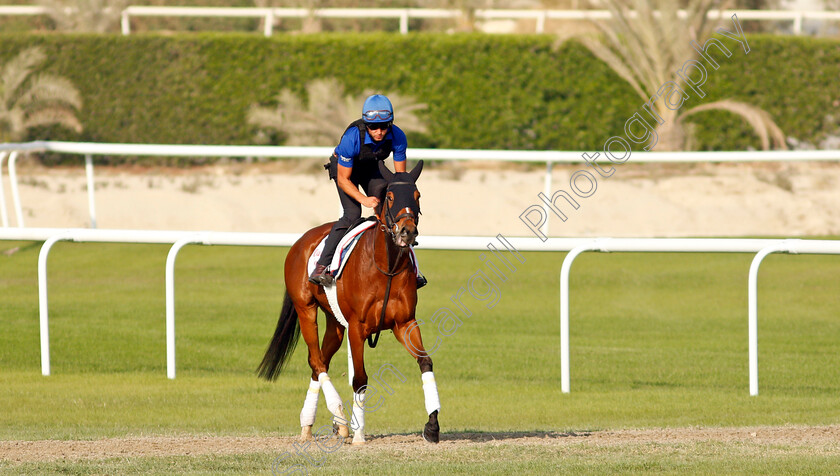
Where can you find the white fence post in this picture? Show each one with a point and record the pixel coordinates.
(268, 28)
(14, 186)
(404, 22)
(4, 218)
(547, 192)
(752, 307)
(43, 301)
(90, 185)
(125, 25)
(565, 380)
(170, 301)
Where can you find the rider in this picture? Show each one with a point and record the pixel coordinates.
(354, 163)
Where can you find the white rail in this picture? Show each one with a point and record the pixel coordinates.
(574, 247)
(762, 247)
(22, 10)
(549, 157)
(178, 239)
(406, 14)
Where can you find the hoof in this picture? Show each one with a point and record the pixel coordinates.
(341, 430)
(305, 433)
(431, 432)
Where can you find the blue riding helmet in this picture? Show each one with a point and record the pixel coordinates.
(377, 109)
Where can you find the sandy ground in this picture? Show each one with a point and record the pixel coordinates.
(821, 440)
(639, 200)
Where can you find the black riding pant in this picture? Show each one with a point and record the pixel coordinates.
(365, 174)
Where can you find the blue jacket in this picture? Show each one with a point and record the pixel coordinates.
(349, 146)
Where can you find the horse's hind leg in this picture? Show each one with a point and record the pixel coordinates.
(332, 342)
(408, 334)
(308, 317)
(310, 407)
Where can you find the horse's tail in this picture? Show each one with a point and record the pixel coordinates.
(283, 343)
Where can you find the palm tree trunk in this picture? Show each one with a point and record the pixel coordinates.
(671, 132)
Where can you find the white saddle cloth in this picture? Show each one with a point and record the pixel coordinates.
(342, 253)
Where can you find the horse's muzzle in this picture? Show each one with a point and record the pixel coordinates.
(406, 235)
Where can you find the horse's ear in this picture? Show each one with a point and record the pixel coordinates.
(415, 172)
(386, 173)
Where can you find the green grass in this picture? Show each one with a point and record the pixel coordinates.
(657, 340)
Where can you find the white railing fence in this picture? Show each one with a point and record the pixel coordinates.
(762, 248)
(404, 15)
(573, 246)
(548, 157)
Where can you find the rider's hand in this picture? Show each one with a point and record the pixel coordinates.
(370, 202)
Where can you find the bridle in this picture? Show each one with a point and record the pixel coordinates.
(391, 221)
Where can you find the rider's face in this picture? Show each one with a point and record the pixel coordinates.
(377, 134)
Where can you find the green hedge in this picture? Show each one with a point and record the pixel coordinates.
(483, 91)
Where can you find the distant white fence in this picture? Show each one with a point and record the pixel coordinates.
(549, 157)
(403, 15)
(406, 14)
(574, 247)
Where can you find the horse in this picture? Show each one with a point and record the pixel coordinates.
(376, 291)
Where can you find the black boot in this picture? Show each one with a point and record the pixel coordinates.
(321, 276)
(421, 281)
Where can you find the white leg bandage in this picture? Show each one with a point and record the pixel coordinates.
(430, 392)
(358, 422)
(310, 405)
(331, 395)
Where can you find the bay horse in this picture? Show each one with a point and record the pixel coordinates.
(377, 291)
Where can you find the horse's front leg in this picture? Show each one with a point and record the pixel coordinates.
(408, 334)
(360, 380)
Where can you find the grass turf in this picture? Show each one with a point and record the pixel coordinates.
(657, 340)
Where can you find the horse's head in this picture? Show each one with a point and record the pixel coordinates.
(400, 212)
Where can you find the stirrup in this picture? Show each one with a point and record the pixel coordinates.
(421, 281)
(320, 275)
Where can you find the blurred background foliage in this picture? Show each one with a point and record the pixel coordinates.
(168, 84)
(481, 91)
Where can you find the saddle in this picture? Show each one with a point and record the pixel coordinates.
(345, 247)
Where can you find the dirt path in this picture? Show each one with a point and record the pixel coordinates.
(816, 440)
(638, 200)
